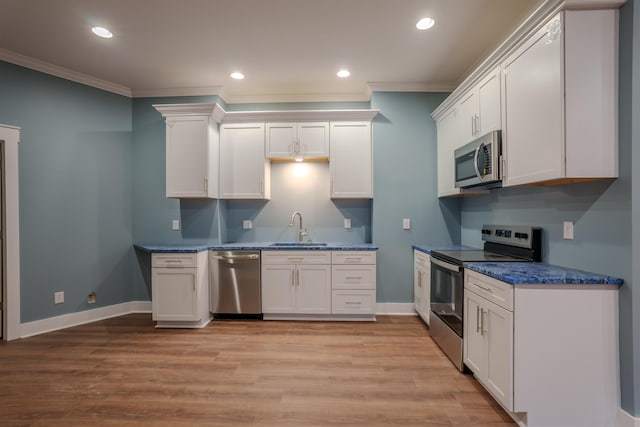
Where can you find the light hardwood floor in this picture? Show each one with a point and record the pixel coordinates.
(123, 371)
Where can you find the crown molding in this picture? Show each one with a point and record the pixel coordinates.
(409, 87)
(364, 96)
(178, 91)
(221, 116)
(65, 73)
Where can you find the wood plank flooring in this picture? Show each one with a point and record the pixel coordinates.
(123, 371)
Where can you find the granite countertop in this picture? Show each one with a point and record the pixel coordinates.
(519, 273)
(253, 246)
(428, 248)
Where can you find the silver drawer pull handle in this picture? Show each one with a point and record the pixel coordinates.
(353, 302)
(483, 288)
(353, 278)
(295, 259)
(173, 260)
(353, 259)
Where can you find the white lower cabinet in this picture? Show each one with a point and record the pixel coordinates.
(179, 290)
(319, 285)
(547, 353)
(296, 282)
(422, 284)
(488, 345)
(353, 283)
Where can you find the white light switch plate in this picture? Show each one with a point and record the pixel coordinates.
(567, 230)
(175, 225)
(247, 224)
(347, 223)
(406, 224)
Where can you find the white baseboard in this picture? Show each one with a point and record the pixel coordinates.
(395, 308)
(625, 419)
(38, 327)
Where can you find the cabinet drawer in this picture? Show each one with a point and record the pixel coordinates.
(354, 277)
(296, 257)
(353, 302)
(491, 289)
(173, 260)
(421, 258)
(353, 257)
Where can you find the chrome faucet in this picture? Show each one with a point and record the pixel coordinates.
(301, 232)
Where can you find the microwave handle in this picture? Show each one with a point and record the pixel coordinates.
(475, 160)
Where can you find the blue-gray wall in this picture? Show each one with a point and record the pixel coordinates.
(405, 186)
(75, 191)
(601, 212)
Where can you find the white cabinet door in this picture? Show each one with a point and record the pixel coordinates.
(533, 131)
(191, 157)
(474, 346)
(497, 324)
(281, 140)
(244, 169)
(421, 288)
(488, 346)
(466, 118)
(313, 289)
(351, 160)
(314, 139)
(489, 104)
(278, 289)
(174, 294)
(286, 140)
(448, 135)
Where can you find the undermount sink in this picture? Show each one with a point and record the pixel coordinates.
(295, 244)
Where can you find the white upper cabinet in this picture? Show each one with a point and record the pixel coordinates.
(560, 101)
(192, 142)
(476, 113)
(289, 140)
(244, 169)
(351, 162)
(479, 109)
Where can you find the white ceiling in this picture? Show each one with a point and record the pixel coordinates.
(286, 48)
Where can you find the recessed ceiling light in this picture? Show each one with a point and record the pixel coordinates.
(102, 32)
(425, 23)
(343, 74)
(237, 76)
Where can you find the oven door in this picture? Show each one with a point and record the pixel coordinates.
(447, 288)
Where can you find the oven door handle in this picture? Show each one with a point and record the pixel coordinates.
(445, 265)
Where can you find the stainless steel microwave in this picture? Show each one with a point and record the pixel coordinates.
(478, 162)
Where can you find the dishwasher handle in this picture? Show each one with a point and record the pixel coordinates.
(238, 257)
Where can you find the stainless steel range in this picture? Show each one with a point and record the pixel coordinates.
(502, 244)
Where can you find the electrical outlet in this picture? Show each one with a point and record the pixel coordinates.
(58, 297)
(406, 224)
(175, 225)
(567, 230)
(247, 224)
(91, 298)
(347, 223)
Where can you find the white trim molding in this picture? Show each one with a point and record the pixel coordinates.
(221, 116)
(178, 91)
(409, 87)
(625, 419)
(65, 73)
(395, 309)
(51, 324)
(278, 98)
(11, 322)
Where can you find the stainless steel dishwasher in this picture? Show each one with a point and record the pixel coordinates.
(234, 284)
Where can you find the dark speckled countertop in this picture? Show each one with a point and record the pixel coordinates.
(253, 246)
(534, 273)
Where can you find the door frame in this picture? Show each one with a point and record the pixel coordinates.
(11, 324)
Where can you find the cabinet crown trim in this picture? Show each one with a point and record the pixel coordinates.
(221, 116)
